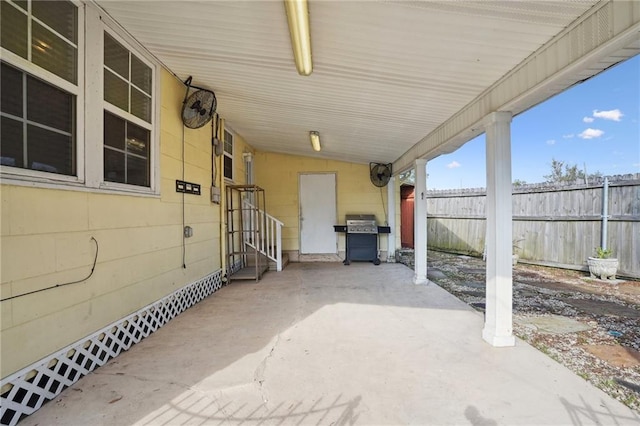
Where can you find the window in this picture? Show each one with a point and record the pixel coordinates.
(37, 124)
(47, 36)
(53, 130)
(39, 86)
(126, 151)
(228, 155)
(127, 115)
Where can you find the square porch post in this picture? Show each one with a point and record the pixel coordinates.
(498, 327)
(420, 223)
(391, 219)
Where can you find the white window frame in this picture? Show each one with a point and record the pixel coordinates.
(17, 174)
(90, 106)
(106, 106)
(225, 154)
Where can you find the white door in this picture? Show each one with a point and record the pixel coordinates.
(318, 213)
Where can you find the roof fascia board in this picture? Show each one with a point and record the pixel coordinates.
(603, 30)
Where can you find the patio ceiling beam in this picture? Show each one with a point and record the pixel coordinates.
(590, 45)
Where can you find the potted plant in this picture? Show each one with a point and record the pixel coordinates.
(603, 265)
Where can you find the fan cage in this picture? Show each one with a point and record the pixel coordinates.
(192, 115)
(380, 174)
(27, 390)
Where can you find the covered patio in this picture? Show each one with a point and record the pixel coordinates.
(119, 226)
(321, 343)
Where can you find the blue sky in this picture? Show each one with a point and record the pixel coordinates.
(594, 124)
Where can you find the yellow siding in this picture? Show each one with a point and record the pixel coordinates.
(46, 240)
(46, 235)
(278, 175)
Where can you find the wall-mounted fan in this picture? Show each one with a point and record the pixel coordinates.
(380, 174)
(198, 107)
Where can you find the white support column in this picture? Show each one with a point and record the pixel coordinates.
(391, 220)
(420, 223)
(498, 326)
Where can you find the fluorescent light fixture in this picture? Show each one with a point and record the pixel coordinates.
(315, 140)
(298, 18)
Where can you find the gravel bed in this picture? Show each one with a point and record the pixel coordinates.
(605, 347)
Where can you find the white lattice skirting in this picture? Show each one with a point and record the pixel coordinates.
(25, 391)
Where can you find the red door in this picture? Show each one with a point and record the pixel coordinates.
(406, 215)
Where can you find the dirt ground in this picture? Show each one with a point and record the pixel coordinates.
(590, 326)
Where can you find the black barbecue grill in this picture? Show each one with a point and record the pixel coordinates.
(361, 238)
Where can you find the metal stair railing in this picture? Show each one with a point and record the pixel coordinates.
(266, 233)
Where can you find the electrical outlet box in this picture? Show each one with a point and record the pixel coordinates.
(218, 147)
(215, 195)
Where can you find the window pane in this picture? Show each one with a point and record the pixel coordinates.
(228, 142)
(11, 91)
(49, 106)
(53, 54)
(140, 74)
(116, 57)
(13, 34)
(116, 91)
(114, 131)
(140, 105)
(137, 140)
(59, 15)
(11, 143)
(49, 151)
(137, 171)
(21, 3)
(113, 165)
(228, 167)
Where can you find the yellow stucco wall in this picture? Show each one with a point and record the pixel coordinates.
(46, 240)
(278, 175)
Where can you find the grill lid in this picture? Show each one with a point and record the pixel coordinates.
(361, 218)
(361, 224)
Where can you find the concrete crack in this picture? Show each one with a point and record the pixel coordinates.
(259, 375)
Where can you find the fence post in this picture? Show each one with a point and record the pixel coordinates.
(605, 213)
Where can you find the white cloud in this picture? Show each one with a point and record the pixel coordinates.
(452, 165)
(568, 136)
(588, 119)
(551, 142)
(614, 114)
(591, 133)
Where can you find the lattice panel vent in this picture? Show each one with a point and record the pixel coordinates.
(25, 391)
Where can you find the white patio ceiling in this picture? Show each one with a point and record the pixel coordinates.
(386, 74)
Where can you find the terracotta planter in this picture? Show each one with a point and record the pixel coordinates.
(603, 268)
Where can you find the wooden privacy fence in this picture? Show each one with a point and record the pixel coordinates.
(553, 225)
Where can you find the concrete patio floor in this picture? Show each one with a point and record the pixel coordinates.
(323, 343)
